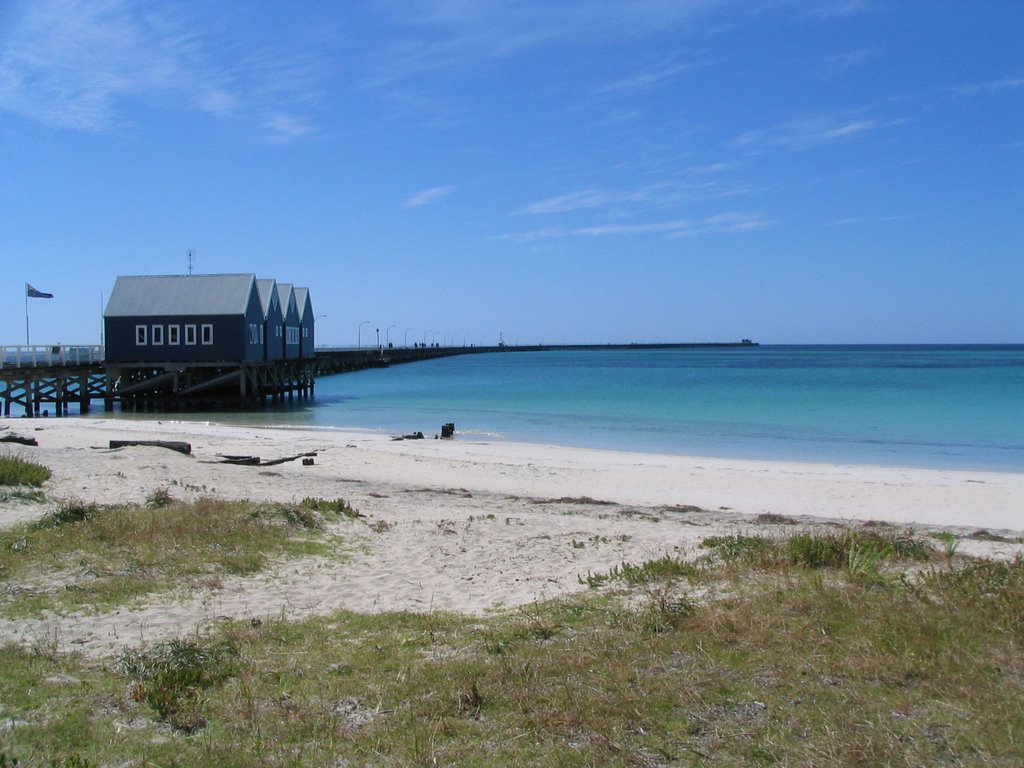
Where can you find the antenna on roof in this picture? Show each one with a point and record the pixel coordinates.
(191, 259)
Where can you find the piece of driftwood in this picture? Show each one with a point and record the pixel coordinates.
(174, 445)
(288, 458)
(410, 436)
(254, 461)
(243, 461)
(13, 438)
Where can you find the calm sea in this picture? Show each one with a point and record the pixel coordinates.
(925, 406)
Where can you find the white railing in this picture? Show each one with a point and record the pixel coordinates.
(41, 355)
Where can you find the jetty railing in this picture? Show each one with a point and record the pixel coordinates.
(48, 355)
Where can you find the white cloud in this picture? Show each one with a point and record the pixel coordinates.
(574, 201)
(657, 195)
(852, 220)
(426, 197)
(992, 86)
(811, 132)
(656, 75)
(721, 223)
(85, 65)
(445, 34)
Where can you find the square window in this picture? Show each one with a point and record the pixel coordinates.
(207, 333)
(190, 334)
(141, 335)
(174, 334)
(158, 335)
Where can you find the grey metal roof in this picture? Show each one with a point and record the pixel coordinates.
(153, 295)
(302, 302)
(266, 288)
(284, 293)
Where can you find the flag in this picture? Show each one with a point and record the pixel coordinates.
(32, 293)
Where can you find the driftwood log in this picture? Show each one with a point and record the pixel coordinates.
(254, 461)
(12, 438)
(174, 445)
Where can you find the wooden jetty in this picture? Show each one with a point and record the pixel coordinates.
(34, 377)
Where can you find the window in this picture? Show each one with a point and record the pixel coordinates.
(293, 335)
(158, 335)
(254, 333)
(141, 335)
(207, 331)
(305, 333)
(174, 335)
(190, 334)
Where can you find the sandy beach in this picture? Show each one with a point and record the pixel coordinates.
(466, 525)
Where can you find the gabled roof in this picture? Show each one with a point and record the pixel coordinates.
(153, 295)
(302, 302)
(267, 290)
(285, 293)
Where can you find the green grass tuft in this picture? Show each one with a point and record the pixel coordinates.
(337, 506)
(15, 470)
(172, 676)
(68, 512)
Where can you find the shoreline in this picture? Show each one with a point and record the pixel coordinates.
(468, 526)
(499, 438)
(626, 477)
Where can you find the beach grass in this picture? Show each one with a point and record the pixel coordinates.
(83, 556)
(765, 651)
(16, 470)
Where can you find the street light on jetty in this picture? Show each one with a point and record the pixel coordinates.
(359, 333)
(433, 338)
(405, 339)
(378, 338)
(387, 335)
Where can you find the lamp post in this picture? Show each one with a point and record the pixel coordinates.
(359, 333)
(387, 335)
(433, 338)
(405, 339)
(378, 338)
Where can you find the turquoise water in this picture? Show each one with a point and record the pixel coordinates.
(916, 406)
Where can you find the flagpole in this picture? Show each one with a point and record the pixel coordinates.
(27, 342)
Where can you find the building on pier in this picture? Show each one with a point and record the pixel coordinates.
(194, 340)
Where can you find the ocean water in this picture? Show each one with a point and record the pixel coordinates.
(924, 406)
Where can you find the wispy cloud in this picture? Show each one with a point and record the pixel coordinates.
(812, 132)
(659, 195)
(426, 197)
(656, 75)
(574, 201)
(826, 9)
(854, 220)
(441, 34)
(721, 223)
(848, 59)
(85, 65)
(992, 86)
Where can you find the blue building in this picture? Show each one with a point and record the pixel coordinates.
(206, 319)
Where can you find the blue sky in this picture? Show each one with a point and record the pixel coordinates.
(793, 171)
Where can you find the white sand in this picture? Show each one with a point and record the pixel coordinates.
(462, 525)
